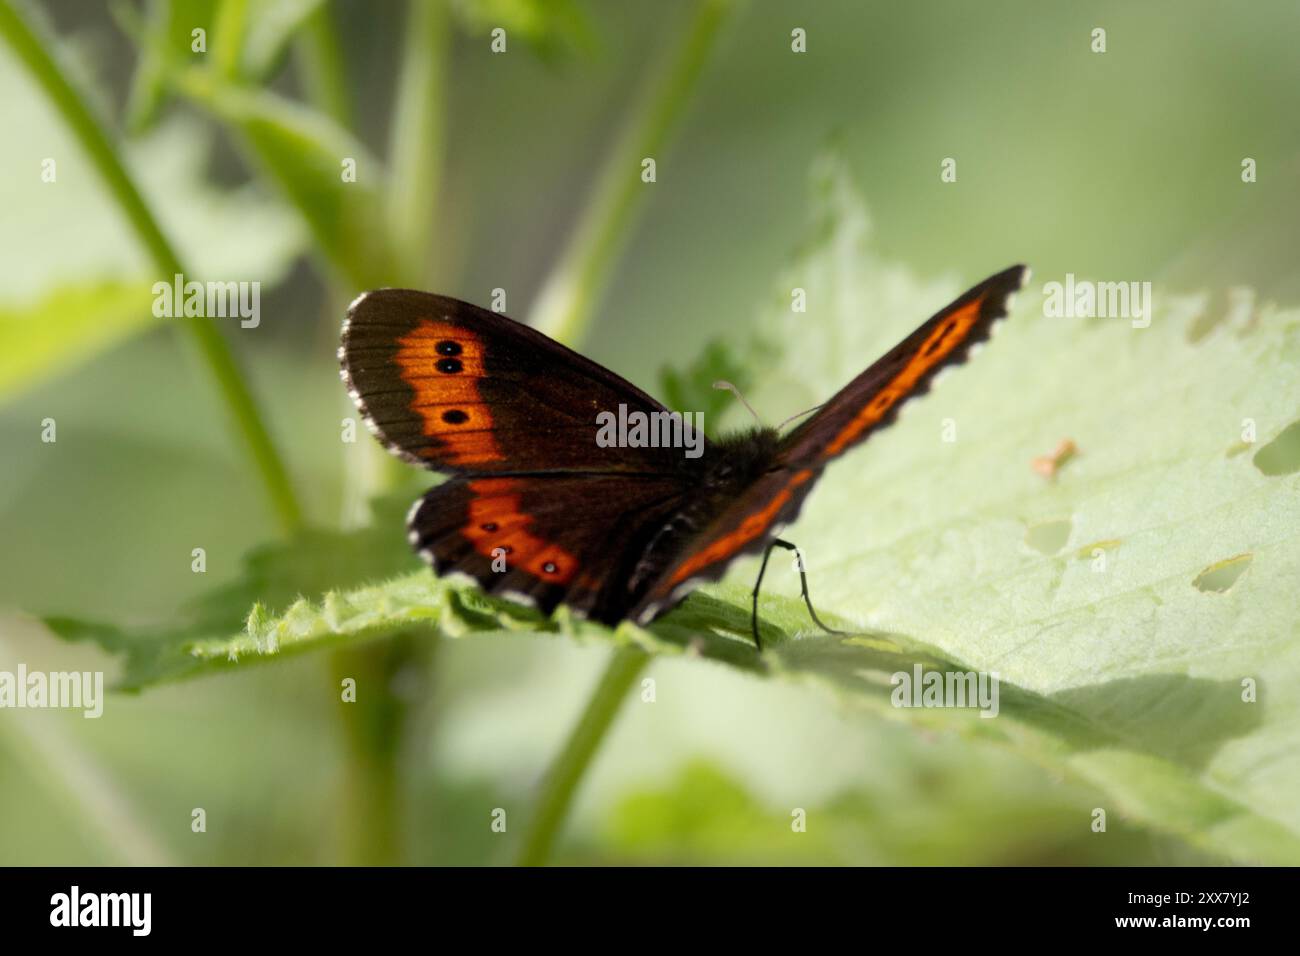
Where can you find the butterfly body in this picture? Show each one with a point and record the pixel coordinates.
(735, 464)
(538, 508)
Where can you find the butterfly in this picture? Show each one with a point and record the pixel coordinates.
(539, 511)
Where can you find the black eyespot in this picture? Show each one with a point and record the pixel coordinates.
(448, 347)
(549, 567)
(449, 365)
(454, 416)
(489, 526)
(938, 343)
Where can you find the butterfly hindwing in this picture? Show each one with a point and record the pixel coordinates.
(743, 524)
(546, 539)
(455, 388)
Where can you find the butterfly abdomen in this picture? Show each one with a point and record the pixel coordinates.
(732, 464)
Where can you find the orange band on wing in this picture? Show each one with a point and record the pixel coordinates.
(946, 337)
(499, 528)
(443, 363)
(751, 528)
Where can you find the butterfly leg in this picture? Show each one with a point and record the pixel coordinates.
(803, 582)
(803, 588)
(753, 619)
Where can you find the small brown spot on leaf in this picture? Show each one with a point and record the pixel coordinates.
(1049, 465)
(1087, 551)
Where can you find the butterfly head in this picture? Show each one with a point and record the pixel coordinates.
(740, 457)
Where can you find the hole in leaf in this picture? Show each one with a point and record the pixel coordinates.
(1050, 536)
(1223, 575)
(1281, 456)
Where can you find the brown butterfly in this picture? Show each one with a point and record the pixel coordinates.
(538, 510)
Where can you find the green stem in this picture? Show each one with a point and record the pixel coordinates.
(564, 311)
(229, 25)
(212, 347)
(565, 304)
(566, 772)
(416, 153)
(375, 726)
(320, 62)
(416, 156)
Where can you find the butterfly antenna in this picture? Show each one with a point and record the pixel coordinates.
(735, 391)
(806, 411)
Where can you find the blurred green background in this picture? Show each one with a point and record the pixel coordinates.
(1123, 165)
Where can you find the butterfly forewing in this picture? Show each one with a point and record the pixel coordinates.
(872, 400)
(455, 388)
(537, 508)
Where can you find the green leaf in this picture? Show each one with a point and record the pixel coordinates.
(79, 289)
(163, 35)
(303, 152)
(1176, 699)
(273, 25)
(939, 813)
(555, 29)
(273, 576)
(67, 326)
(691, 389)
(248, 41)
(943, 547)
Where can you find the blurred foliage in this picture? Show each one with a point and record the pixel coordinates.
(1122, 690)
(38, 337)
(52, 320)
(1163, 740)
(302, 152)
(272, 576)
(693, 389)
(705, 816)
(555, 29)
